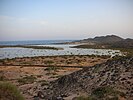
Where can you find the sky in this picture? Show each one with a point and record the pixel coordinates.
(64, 19)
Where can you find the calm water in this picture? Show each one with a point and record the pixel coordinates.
(28, 52)
(37, 42)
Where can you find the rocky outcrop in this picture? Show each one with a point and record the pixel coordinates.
(117, 74)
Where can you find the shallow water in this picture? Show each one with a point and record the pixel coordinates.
(28, 52)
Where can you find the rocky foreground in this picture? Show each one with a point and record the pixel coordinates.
(112, 80)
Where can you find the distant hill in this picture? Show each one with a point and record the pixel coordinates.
(126, 43)
(108, 81)
(104, 39)
(108, 42)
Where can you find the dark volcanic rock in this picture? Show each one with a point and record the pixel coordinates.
(116, 73)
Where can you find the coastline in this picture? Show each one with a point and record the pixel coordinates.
(33, 75)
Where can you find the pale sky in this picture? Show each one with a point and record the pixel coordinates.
(64, 19)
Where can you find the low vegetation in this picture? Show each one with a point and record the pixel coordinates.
(27, 79)
(51, 69)
(2, 78)
(9, 91)
(103, 93)
(85, 46)
(44, 82)
(29, 46)
(83, 98)
(49, 62)
(125, 51)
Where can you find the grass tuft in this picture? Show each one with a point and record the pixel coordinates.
(9, 91)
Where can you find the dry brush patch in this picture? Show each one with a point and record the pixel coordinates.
(9, 91)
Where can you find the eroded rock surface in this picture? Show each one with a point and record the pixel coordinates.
(117, 74)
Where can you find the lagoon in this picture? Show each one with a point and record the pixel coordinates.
(12, 52)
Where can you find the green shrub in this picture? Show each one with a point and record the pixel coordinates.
(81, 98)
(9, 91)
(2, 78)
(102, 91)
(50, 70)
(58, 76)
(84, 98)
(44, 83)
(106, 92)
(113, 98)
(49, 62)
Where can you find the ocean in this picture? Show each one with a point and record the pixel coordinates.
(33, 42)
